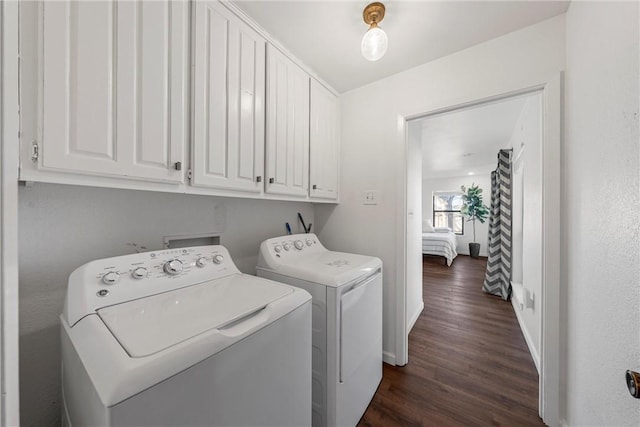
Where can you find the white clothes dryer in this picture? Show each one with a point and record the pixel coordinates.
(180, 337)
(346, 291)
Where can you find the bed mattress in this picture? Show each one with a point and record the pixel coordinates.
(440, 244)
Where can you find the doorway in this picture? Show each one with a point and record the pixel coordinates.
(549, 244)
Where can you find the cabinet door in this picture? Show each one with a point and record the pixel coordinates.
(114, 88)
(324, 143)
(228, 92)
(287, 165)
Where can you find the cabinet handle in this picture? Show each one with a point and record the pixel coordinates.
(271, 180)
(177, 166)
(314, 186)
(633, 383)
(258, 179)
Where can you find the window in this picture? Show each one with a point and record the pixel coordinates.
(446, 210)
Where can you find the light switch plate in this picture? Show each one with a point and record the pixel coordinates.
(370, 197)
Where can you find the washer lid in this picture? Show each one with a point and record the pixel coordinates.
(149, 325)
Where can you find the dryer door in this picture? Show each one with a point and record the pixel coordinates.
(360, 325)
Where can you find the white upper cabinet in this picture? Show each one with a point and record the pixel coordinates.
(143, 94)
(114, 95)
(228, 99)
(324, 143)
(287, 164)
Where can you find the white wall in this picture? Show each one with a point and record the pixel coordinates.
(62, 227)
(516, 217)
(601, 193)
(429, 185)
(373, 140)
(527, 136)
(415, 302)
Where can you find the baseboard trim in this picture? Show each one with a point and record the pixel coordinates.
(414, 317)
(389, 358)
(527, 337)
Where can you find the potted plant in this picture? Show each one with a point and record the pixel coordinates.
(474, 209)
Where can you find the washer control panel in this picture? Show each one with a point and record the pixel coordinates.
(125, 278)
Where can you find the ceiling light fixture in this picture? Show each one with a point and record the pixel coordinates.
(374, 42)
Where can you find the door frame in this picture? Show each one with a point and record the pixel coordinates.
(9, 144)
(549, 379)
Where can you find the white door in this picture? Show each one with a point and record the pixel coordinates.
(414, 296)
(228, 93)
(287, 165)
(323, 143)
(9, 143)
(114, 88)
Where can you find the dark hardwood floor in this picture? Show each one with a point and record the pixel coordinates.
(468, 362)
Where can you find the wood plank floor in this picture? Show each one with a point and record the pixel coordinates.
(468, 362)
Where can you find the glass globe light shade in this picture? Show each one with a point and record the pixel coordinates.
(374, 44)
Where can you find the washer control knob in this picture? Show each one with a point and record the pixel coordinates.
(139, 273)
(201, 262)
(298, 244)
(277, 248)
(173, 267)
(217, 259)
(309, 242)
(287, 246)
(111, 278)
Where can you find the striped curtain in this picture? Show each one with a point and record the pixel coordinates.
(498, 277)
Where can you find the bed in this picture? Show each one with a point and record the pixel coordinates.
(440, 244)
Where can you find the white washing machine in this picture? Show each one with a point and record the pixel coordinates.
(347, 321)
(180, 337)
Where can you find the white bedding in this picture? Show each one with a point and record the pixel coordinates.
(440, 244)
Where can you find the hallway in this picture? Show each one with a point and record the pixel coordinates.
(468, 362)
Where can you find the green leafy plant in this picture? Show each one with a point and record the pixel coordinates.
(472, 206)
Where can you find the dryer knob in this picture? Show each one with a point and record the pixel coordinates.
(139, 273)
(277, 248)
(287, 246)
(173, 267)
(309, 242)
(111, 278)
(201, 262)
(217, 259)
(298, 244)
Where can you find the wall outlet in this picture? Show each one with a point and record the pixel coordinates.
(529, 299)
(370, 197)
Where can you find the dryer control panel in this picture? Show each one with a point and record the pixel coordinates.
(115, 280)
(287, 247)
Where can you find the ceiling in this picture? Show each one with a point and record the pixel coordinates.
(467, 141)
(326, 35)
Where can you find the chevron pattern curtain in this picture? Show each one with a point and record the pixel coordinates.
(498, 277)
